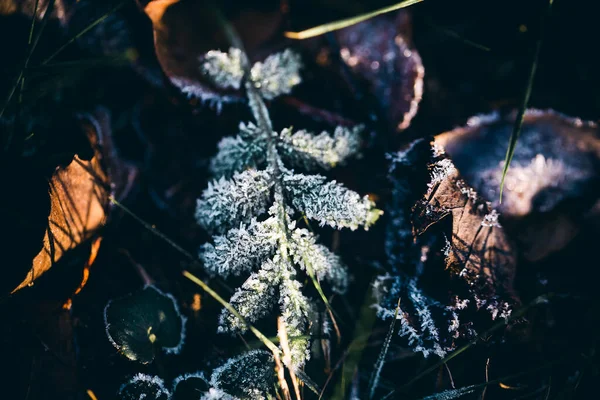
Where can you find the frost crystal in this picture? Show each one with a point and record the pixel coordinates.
(309, 151)
(240, 249)
(253, 300)
(246, 150)
(226, 203)
(330, 203)
(248, 376)
(224, 69)
(277, 75)
(266, 244)
(319, 259)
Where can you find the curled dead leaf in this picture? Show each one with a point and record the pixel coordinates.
(78, 204)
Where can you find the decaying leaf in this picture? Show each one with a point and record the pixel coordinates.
(555, 166)
(78, 203)
(478, 249)
(54, 216)
(452, 261)
(379, 51)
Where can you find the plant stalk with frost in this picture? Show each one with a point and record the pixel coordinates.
(249, 208)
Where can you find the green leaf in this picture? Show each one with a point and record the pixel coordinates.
(140, 324)
(248, 376)
(145, 387)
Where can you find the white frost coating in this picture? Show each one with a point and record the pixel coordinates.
(149, 381)
(226, 203)
(323, 150)
(277, 75)
(451, 394)
(225, 70)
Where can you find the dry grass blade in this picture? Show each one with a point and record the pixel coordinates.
(344, 23)
(287, 354)
(514, 137)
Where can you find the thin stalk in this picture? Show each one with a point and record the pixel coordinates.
(381, 359)
(44, 22)
(514, 137)
(84, 31)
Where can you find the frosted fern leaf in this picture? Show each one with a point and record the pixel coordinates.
(277, 75)
(248, 376)
(330, 203)
(254, 300)
(225, 70)
(323, 150)
(240, 249)
(296, 311)
(237, 153)
(318, 258)
(226, 203)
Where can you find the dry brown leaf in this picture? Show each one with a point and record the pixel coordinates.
(478, 250)
(78, 203)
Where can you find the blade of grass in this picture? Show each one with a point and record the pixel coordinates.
(44, 22)
(85, 30)
(270, 345)
(344, 23)
(514, 137)
(381, 359)
(454, 35)
(362, 332)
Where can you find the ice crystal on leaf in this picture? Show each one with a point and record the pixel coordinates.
(252, 173)
(248, 376)
(323, 150)
(277, 75)
(224, 69)
(226, 203)
(329, 203)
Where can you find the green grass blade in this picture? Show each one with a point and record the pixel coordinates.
(85, 30)
(381, 359)
(514, 137)
(344, 23)
(34, 44)
(362, 332)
